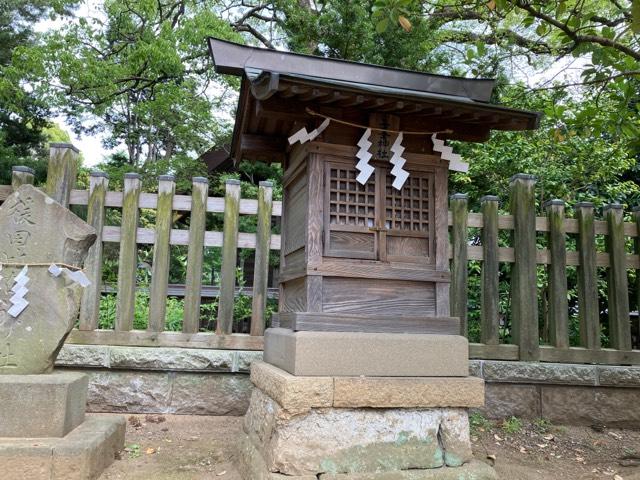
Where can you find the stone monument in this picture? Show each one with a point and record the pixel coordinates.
(43, 430)
(366, 375)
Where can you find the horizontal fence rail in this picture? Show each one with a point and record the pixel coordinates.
(542, 243)
(510, 273)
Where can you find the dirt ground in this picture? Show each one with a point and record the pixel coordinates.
(182, 447)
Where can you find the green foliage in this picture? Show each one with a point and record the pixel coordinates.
(141, 73)
(478, 423)
(512, 425)
(542, 425)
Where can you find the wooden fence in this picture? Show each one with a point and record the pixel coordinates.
(474, 237)
(525, 256)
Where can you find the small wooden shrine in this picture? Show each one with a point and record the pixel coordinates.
(364, 234)
(365, 374)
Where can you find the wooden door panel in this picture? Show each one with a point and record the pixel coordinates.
(350, 213)
(408, 215)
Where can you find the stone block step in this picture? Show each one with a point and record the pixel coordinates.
(81, 455)
(334, 354)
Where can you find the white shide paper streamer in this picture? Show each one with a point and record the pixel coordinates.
(303, 136)
(78, 276)
(446, 153)
(365, 170)
(19, 289)
(400, 175)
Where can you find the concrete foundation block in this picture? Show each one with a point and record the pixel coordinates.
(81, 455)
(47, 405)
(335, 354)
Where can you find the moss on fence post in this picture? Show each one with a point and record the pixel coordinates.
(524, 292)
(229, 257)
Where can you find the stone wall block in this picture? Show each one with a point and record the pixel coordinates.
(83, 356)
(207, 394)
(129, 392)
(183, 359)
(475, 368)
(587, 406)
(619, 376)
(532, 372)
(505, 400)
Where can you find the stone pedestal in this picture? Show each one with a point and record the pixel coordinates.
(374, 428)
(44, 433)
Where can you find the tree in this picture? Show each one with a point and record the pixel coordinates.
(139, 71)
(22, 116)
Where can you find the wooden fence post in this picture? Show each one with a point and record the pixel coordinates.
(489, 293)
(90, 305)
(128, 262)
(62, 171)
(261, 270)
(524, 278)
(558, 302)
(197, 227)
(636, 245)
(618, 287)
(460, 267)
(161, 253)
(229, 257)
(588, 311)
(21, 175)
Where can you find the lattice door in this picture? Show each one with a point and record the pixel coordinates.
(408, 218)
(350, 213)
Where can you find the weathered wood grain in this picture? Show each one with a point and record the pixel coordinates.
(143, 338)
(557, 270)
(524, 276)
(261, 268)
(195, 254)
(604, 356)
(90, 304)
(229, 258)
(459, 269)
(618, 287)
(61, 172)
(489, 293)
(346, 322)
(161, 254)
(128, 261)
(21, 176)
(371, 296)
(588, 311)
(181, 203)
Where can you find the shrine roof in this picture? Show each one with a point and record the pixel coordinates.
(278, 89)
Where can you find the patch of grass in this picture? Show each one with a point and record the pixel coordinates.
(542, 425)
(133, 450)
(512, 425)
(477, 422)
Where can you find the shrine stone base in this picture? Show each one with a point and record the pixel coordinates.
(44, 434)
(332, 428)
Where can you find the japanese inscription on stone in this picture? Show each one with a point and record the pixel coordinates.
(34, 229)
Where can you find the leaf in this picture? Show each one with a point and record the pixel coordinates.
(635, 16)
(491, 5)
(382, 25)
(405, 23)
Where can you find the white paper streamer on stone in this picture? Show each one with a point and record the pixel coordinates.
(19, 289)
(303, 136)
(446, 153)
(364, 155)
(400, 175)
(78, 276)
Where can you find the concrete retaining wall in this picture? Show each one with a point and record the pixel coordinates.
(216, 382)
